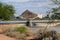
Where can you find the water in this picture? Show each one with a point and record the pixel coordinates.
(55, 28)
(35, 29)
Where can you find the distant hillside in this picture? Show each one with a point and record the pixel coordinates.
(28, 14)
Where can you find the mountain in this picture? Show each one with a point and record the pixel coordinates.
(28, 14)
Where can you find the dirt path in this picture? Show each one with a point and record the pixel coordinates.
(3, 37)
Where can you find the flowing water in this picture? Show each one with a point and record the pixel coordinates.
(35, 29)
(55, 28)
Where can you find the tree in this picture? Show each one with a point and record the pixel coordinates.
(46, 17)
(56, 11)
(55, 14)
(56, 2)
(37, 18)
(1, 10)
(6, 11)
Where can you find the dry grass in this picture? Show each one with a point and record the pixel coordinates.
(58, 36)
(5, 27)
(17, 34)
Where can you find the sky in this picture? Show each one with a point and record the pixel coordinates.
(36, 6)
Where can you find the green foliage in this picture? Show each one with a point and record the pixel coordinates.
(56, 16)
(37, 18)
(21, 29)
(55, 11)
(46, 17)
(56, 1)
(6, 11)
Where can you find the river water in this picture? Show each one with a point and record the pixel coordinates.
(35, 29)
(55, 28)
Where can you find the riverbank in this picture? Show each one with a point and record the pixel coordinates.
(34, 29)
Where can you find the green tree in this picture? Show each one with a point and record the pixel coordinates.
(56, 11)
(56, 2)
(6, 11)
(1, 10)
(46, 17)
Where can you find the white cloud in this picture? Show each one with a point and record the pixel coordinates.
(16, 0)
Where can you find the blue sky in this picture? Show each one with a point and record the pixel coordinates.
(36, 6)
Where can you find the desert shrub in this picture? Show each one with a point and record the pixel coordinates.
(17, 35)
(21, 29)
(4, 29)
(20, 33)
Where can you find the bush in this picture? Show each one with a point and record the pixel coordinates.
(20, 33)
(21, 29)
(16, 35)
(4, 29)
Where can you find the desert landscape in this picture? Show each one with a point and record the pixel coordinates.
(29, 19)
(22, 32)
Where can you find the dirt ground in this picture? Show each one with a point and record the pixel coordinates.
(3, 37)
(58, 36)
